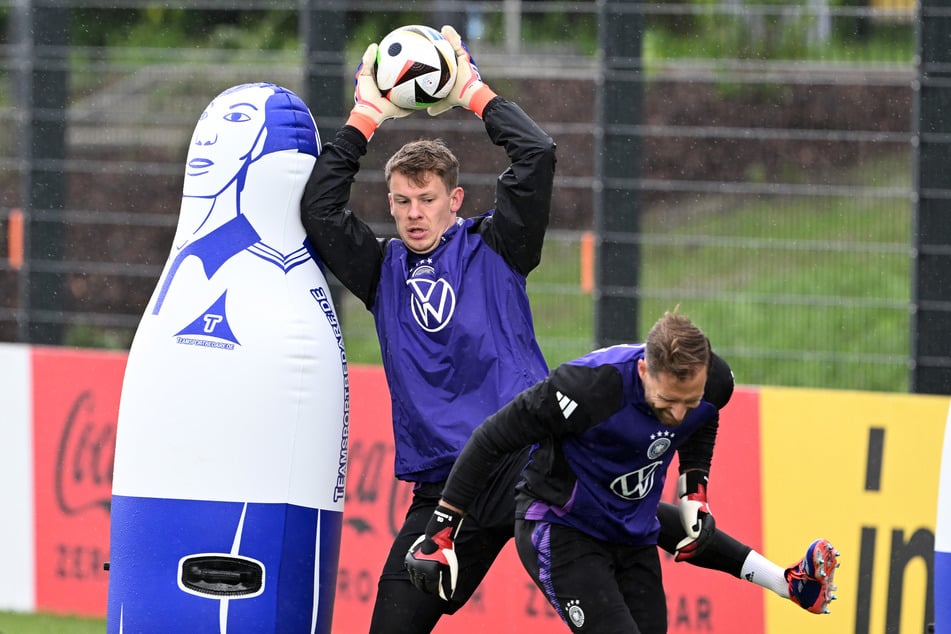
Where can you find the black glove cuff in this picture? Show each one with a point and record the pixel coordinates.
(441, 518)
(695, 482)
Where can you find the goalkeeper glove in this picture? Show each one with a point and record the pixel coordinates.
(468, 91)
(370, 108)
(431, 560)
(694, 514)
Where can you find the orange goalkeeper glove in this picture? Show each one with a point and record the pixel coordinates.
(370, 108)
(469, 91)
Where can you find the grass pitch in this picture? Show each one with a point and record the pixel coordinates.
(22, 623)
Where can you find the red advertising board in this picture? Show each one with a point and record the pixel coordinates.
(507, 602)
(75, 408)
(76, 403)
(376, 502)
(701, 600)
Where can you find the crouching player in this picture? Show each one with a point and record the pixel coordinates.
(601, 432)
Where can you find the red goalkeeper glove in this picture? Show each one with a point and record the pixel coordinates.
(694, 514)
(431, 560)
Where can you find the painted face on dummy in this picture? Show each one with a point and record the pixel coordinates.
(250, 155)
(670, 398)
(230, 133)
(423, 212)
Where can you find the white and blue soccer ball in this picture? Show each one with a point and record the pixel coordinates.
(415, 67)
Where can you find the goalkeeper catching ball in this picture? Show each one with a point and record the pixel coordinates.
(448, 297)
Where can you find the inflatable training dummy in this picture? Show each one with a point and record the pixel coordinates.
(942, 541)
(231, 448)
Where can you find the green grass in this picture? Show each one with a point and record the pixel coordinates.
(810, 292)
(721, 36)
(21, 623)
(796, 291)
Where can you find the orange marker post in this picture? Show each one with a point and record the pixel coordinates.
(587, 262)
(15, 239)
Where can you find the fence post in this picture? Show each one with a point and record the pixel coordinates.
(931, 288)
(617, 171)
(42, 99)
(323, 28)
(323, 35)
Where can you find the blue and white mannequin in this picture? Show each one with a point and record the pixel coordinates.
(942, 541)
(231, 448)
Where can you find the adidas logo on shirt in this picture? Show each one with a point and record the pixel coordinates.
(567, 405)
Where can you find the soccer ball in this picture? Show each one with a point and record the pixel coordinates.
(415, 67)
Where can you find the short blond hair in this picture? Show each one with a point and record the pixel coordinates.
(425, 156)
(676, 346)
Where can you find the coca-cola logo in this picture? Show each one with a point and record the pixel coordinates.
(374, 495)
(85, 457)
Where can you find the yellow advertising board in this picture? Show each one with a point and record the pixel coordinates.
(860, 469)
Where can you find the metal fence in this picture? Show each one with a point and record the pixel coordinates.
(772, 192)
